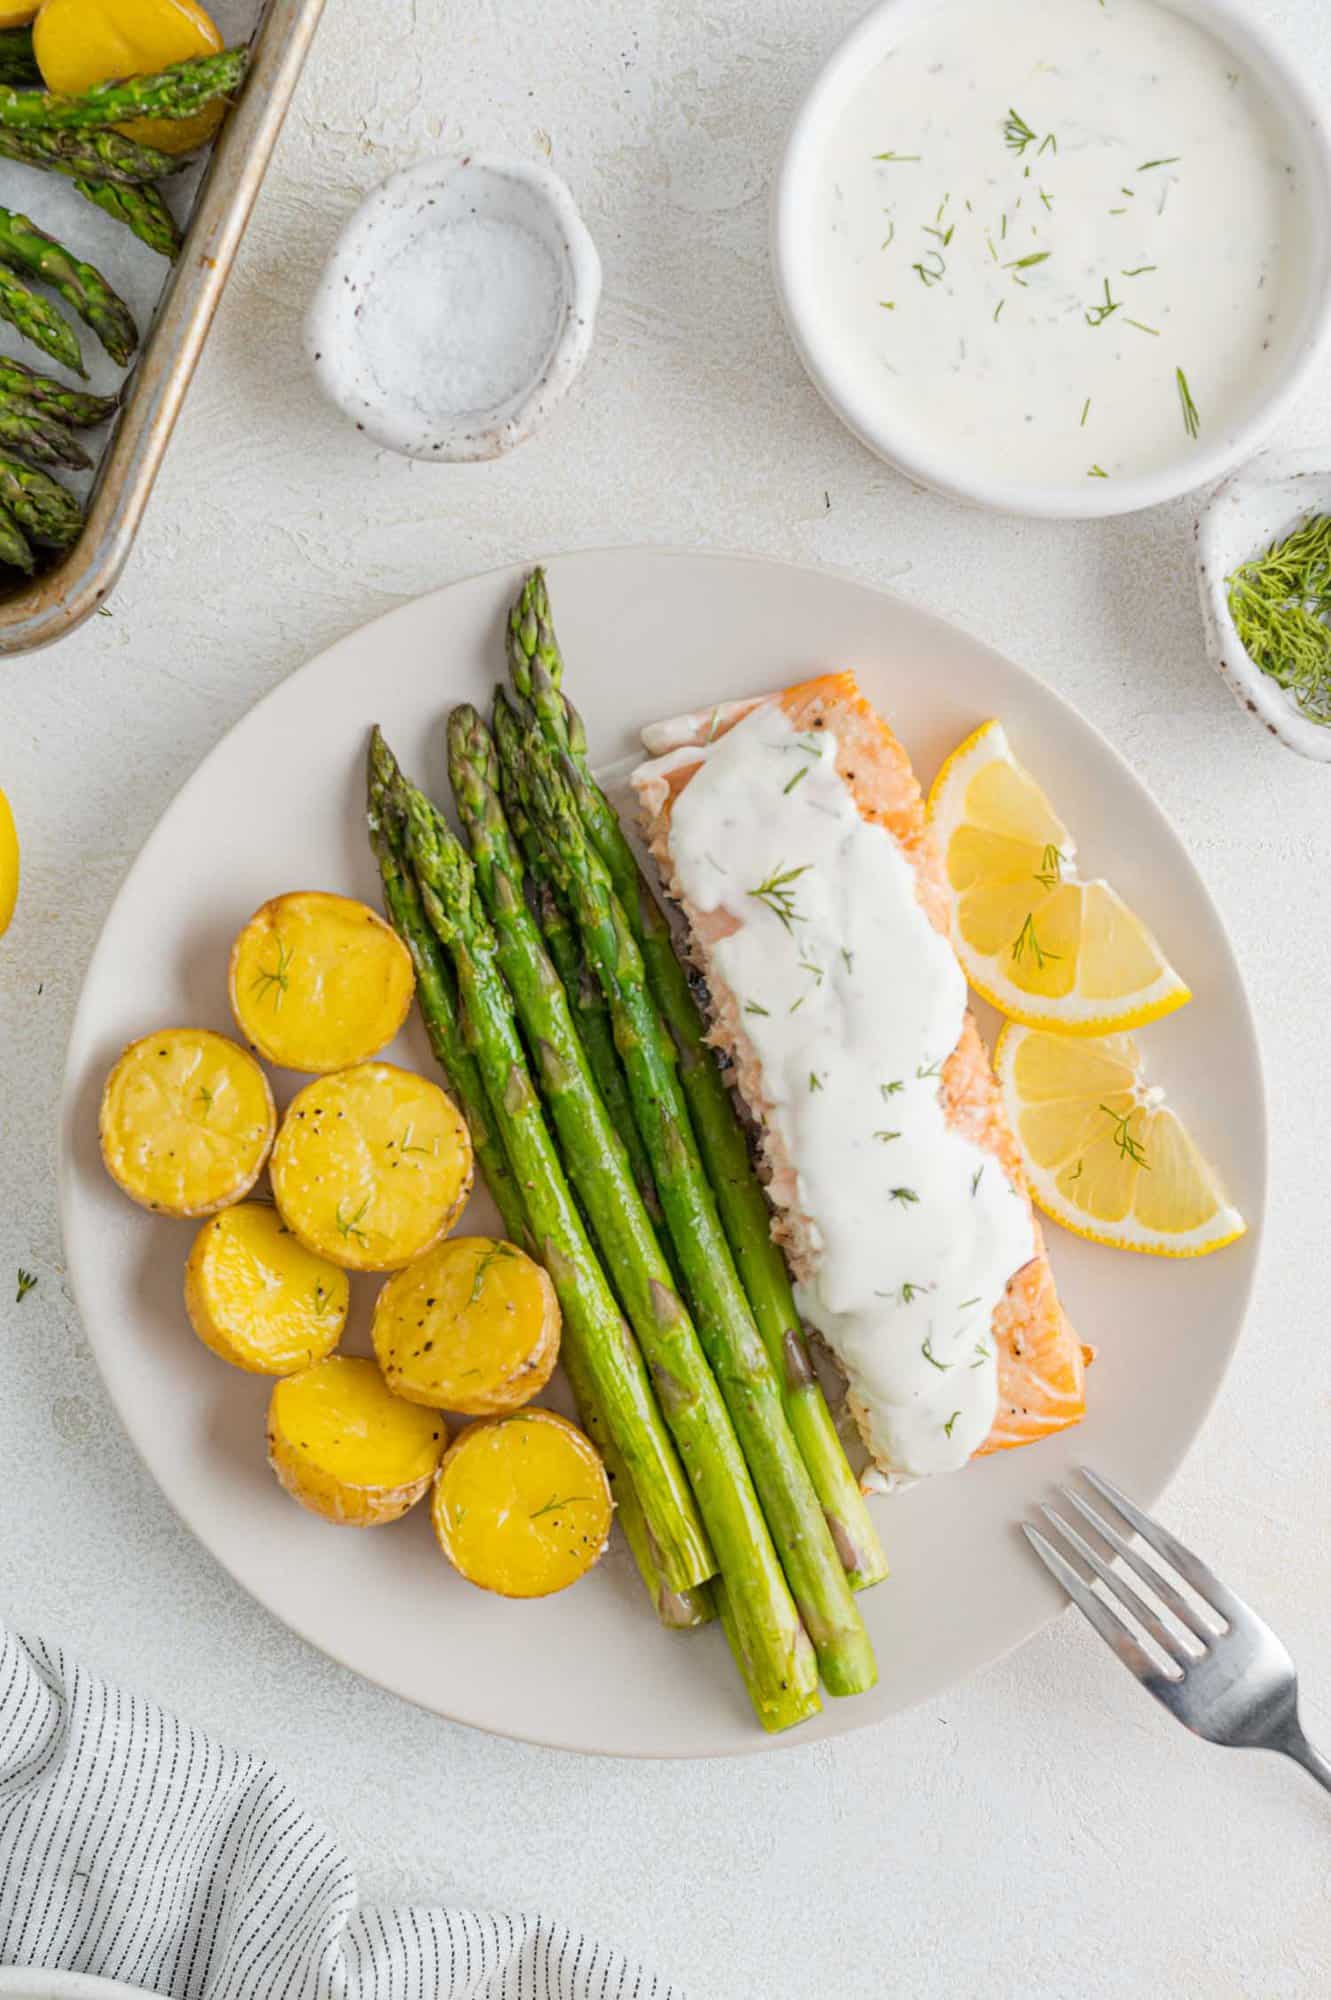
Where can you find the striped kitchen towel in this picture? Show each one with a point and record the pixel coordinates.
(137, 1848)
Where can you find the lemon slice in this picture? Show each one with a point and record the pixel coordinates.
(1104, 1155)
(9, 864)
(1043, 946)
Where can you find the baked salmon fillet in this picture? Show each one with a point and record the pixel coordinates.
(791, 831)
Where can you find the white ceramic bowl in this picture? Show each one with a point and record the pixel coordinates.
(1261, 504)
(421, 419)
(793, 234)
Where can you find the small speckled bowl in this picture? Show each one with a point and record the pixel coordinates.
(521, 195)
(1259, 505)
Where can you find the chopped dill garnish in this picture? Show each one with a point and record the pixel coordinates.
(815, 1081)
(976, 1178)
(904, 1195)
(888, 305)
(1097, 472)
(1192, 423)
(778, 895)
(752, 1007)
(808, 965)
(795, 1005)
(1129, 1148)
(926, 1349)
(1017, 135)
(279, 978)
(849, 957)
(1085, 412)
(898, 157)
(890, 1089)
(998, 309)
(1050, 871)
(1046, 199)
(989, 242)
(968, 1302)
(494, 1255)
(1026, 941)
(926, 1070)
(804, 769)
(1170, 160)
(944, 235)
(1137, 270)
(559, 1500)
(26, 1282)
(928, 275)
(909, 1291)
(947, 1427)
(205, 1097)
(1024, 263)
(323, 1298)
(886, 1136)
(1142, 327)
(1280, 603)
(349, 1226)
(1097, 315)
(891, 232)
(981, 1349)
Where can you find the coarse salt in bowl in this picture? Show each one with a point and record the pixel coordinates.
(457, 307)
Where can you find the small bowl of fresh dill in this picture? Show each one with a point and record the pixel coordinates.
(1264, 573)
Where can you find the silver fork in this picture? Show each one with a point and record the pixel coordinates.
(1231, 1682)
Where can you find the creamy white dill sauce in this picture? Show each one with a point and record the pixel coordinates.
(1034, 122)
(853, 1002)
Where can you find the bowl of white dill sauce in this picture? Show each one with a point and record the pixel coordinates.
(1056, 259)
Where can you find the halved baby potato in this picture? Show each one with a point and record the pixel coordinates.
(522, 1504)
(346, 1448)
(319, 982)
(258, 1298)
(371, 1166)
(187, 1121)
(471, 1326)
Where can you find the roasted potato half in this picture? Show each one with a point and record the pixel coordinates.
(346, 1448)
(471, 1326)
(319, 982)
(187, 1121)
(258, 1298)
(371, 1166)
(522, 1504)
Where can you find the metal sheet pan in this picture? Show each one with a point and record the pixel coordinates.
(56, 602)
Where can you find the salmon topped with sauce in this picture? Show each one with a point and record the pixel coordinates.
(791, 830)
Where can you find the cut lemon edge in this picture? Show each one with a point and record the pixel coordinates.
(9, 864)
(1040, 944)
(1103, 1153)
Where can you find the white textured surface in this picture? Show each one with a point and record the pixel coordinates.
(1043, 1832)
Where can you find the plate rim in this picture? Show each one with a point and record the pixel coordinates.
(67, 1171)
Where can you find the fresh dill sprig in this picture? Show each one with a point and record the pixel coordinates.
(1129, 1148)
(1097, 472)
(1192, 423)
(1142, 327)
(778, 895)
(494, 1255)
(909, 1291)
(885, 1136)
(890, 1089)
(278, 979)
(928, 274)
(976, 1178)
(1017, 134)
(1170, 160)
(1137, 270)
(925, 1070)
(898, 158)
(1050, 871)
(1026, 941)
(904, 1195)
(26, 1281)
(1024, 263)
(947, 1427)
(559, 1500)
(1097, 315)
(1085, 412)
(1280, 603)
(752, 1007)
(926, 1349)
(804, 769)
(944, 235)
(349, 1226)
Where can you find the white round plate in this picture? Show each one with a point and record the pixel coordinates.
(278, 805)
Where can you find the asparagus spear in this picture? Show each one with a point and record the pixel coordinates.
(38, 321)
(436, 992)
(783, 1670)
(593, 1325)
(15, 552)
(177, 92)
(94, 156)
(749, 1378)
(40, 439)
(75, 407)
(584, 993)
(25, 247)
(18, 64)
(43, 508)
(141, 209)
(536, 667)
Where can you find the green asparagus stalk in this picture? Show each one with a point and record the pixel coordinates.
(25, 247)
(15, 551)
(75, 407)
(782, 1667)
(18, 64)
(142, 211)
(536, 667)
(584, 992)
(93, 156)
(436, 993)
(593, 1324)
(38, 321)
(177, 92)
(40, 439)
(43, 508)
(749, 1379)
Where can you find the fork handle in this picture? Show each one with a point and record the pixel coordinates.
(1297, 1746)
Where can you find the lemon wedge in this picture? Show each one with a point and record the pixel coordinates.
(1103, 1153)
(1043, 946)
(8, 864)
